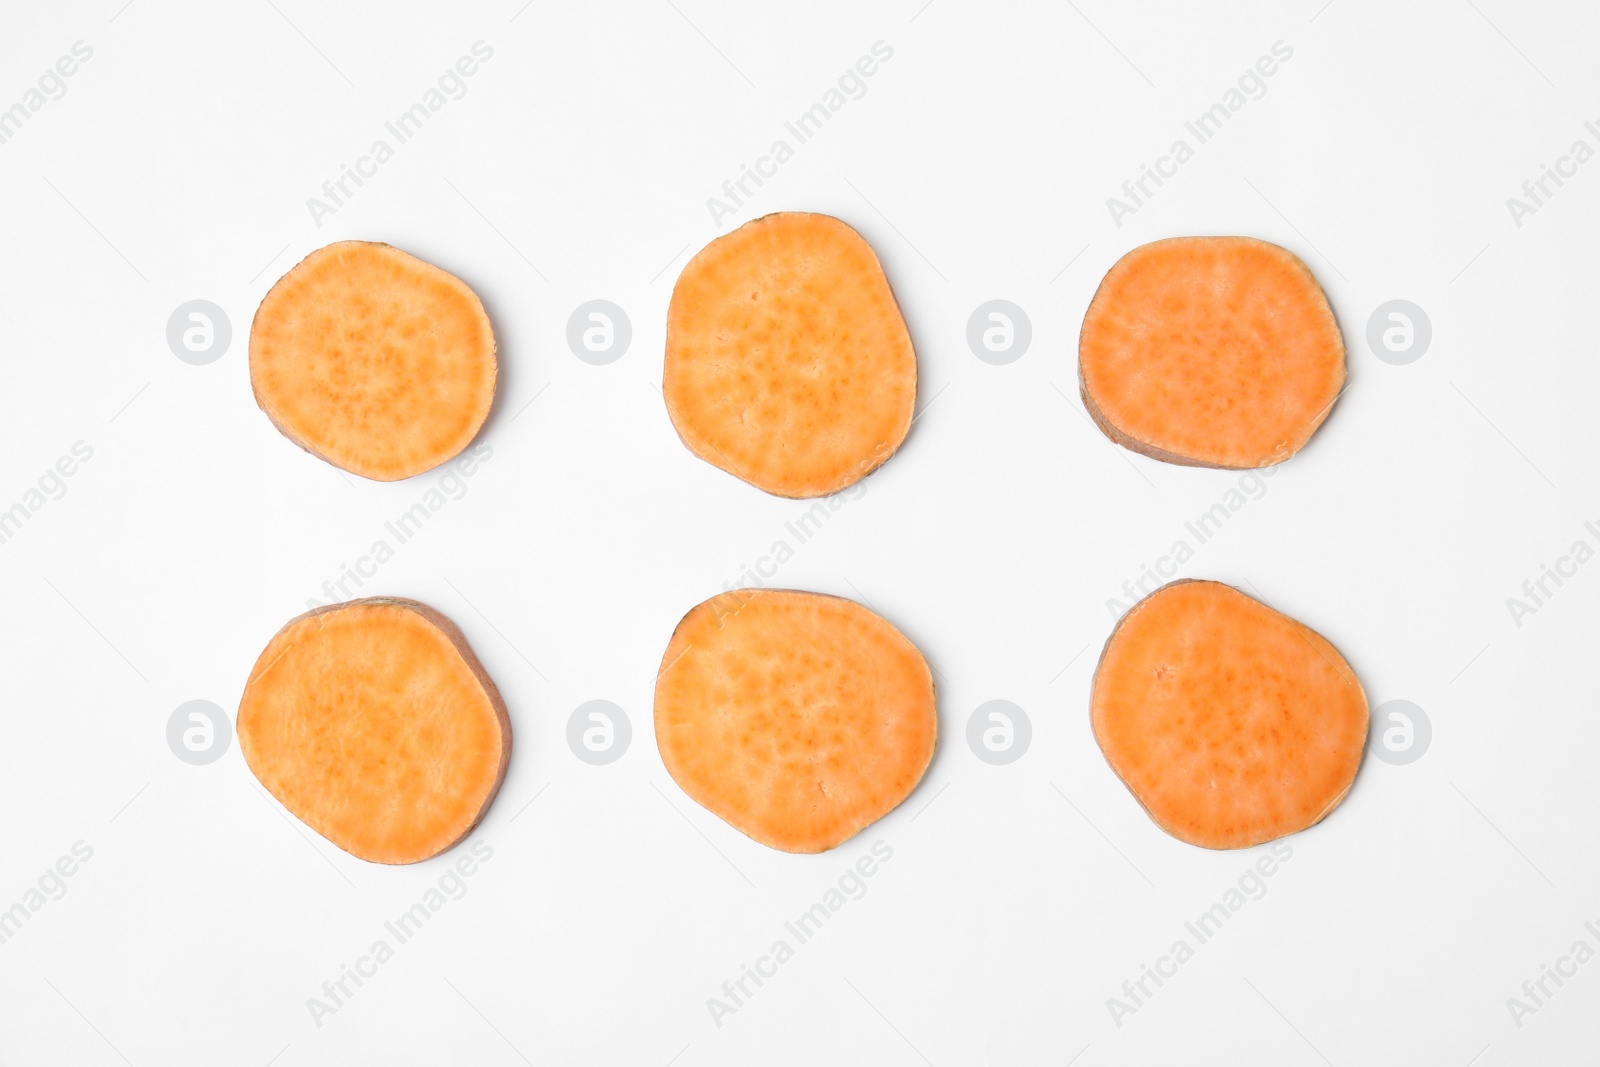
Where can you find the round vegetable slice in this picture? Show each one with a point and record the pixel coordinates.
(376, 726)
(797, 718)
(788, 363)
(373, 360)
(1230, 722)
(1210, 352)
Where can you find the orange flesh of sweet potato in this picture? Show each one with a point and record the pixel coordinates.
(375, 725)
(373, 360)
(1230, 722)
(1210, 352)
(788, 363)
(797, 718)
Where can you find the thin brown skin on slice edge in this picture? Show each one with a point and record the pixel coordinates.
(445, 625)
(1134, 444)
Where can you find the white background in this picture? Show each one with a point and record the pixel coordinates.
(1019, 898)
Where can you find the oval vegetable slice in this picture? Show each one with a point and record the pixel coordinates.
(797, 718)
(376, 726)
(788, 363)
(1230, 722)
(373, 360)
(1210, 352)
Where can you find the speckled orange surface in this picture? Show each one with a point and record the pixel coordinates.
(796, 717)
(788, 363)
(1231, 723)
(374, 360)
(1211, 352)
(374, 724)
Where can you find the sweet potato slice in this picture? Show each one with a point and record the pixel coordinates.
(1230, 722)
(797, 718)
(1210, 352)
(375, 725)
(373, 360)
(788, 364)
